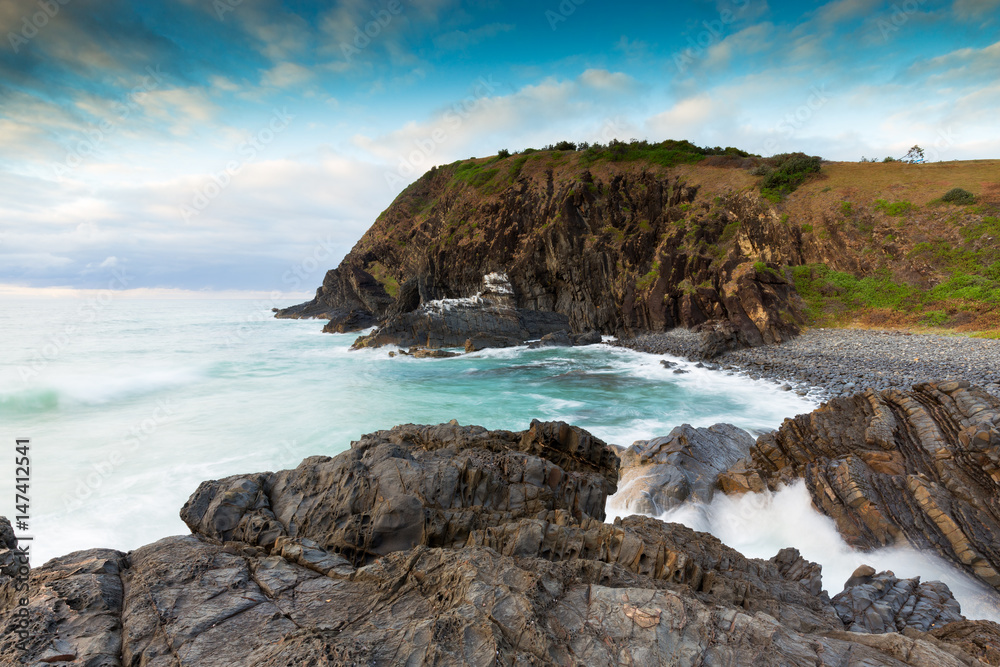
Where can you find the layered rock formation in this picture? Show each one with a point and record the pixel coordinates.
(453, 545)
(616, 248)
(918, 467)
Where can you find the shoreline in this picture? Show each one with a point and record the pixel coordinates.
(841, 362)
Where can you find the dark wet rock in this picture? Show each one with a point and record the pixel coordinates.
(918, 467)
(347, 292)
(412, 485)
(592, 337)
(346, 322)
(879, 603)
(424, 353)
(487, 319)
(447, 545)
(660, 474)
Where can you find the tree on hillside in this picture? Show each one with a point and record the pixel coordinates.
(915, 155)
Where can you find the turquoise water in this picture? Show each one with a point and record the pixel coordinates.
(130, 405)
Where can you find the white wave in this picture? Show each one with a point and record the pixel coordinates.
(760, 525)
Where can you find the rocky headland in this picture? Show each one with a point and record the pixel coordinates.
(636, 239)
(455, 545)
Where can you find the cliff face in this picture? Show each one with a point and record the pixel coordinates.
(616, 247)
(635, 246)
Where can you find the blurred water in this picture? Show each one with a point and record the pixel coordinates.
(129, 411)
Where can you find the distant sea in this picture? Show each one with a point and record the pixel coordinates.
(131, 406)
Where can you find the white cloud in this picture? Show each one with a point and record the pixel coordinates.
(286, 75)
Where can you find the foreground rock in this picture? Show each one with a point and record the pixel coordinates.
(448, 545)
(918, 467)
(660, 474)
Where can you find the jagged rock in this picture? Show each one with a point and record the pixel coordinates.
(617, 253)
(348, 293)
(918, 467)
(879, 603)
(660, 474)
(345, 322)
(487, 317)
(479, 548)
(794, 567)
(412, 485)
(424, 353)
(74, 613)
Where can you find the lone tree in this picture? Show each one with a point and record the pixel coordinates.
(915, 155)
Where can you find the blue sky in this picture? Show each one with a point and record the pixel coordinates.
(247, 144)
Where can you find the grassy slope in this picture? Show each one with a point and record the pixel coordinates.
(926, 264)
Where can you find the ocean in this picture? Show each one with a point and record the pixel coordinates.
(130, 404)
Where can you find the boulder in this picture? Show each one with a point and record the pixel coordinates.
(660, 474)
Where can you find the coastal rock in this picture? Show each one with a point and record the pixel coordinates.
(879, 603)
(660, 474)
(918, 467)
(617, 251)
(478, 321)
(348, 296)
(446, 545)
(412, 485)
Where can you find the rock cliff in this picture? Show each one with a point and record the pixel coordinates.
(613, 247)
(452, 545)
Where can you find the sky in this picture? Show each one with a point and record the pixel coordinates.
(245, 145)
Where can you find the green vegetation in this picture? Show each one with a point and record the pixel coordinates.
(648, 280)
(729, 232)
(894, 208)
(667, 153)
(820, 285)
(807, 228)
(503, 153)
(934, 318)
(784, 173)
(846, 209)
(959, 196)
(761, 267)
(382, 275)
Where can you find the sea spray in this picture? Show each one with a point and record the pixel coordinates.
(758, 525)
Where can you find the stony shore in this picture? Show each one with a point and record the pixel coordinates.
(836, 362)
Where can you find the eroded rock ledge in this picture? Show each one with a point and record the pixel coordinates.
(454, 545)
(918, 467)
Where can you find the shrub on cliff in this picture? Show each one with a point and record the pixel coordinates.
(959, 196)
(787, 171)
